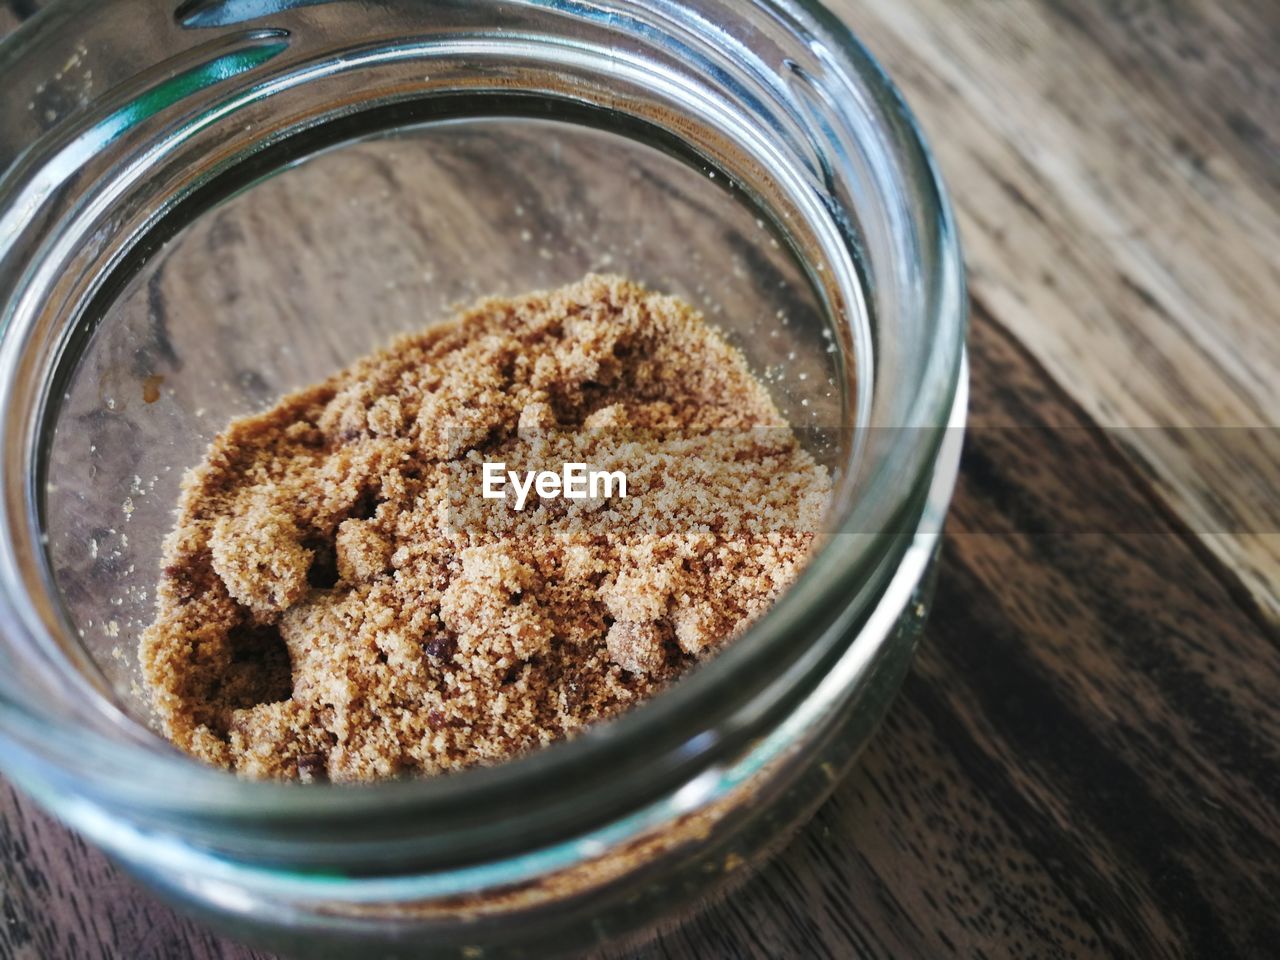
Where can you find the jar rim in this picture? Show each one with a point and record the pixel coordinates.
(652, 743)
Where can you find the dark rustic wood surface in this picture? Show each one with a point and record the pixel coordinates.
(1084, 760)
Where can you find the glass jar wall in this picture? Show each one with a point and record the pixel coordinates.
(222, 201)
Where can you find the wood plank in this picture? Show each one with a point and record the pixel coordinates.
(1116, 172)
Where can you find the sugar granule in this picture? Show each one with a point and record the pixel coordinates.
(337, 602)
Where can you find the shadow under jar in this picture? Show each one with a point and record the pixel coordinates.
(207, 205)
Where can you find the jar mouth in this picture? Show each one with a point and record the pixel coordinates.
(840, 128)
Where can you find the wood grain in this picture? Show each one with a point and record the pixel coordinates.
(1084, 760)
(1116, 171)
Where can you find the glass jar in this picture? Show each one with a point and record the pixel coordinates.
(207, 204)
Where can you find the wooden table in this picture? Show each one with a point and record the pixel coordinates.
(1085, 760)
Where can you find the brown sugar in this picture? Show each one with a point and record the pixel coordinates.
(340, 601)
